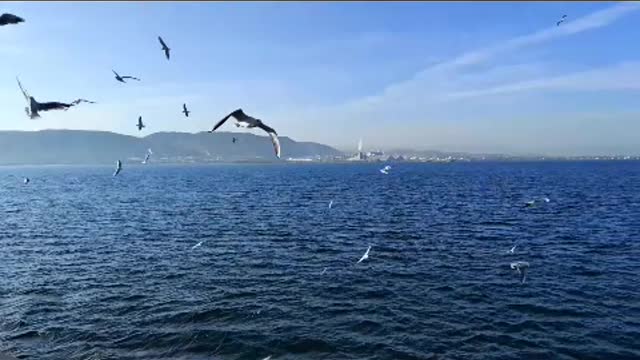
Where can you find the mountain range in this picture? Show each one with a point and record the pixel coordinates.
(98, 147)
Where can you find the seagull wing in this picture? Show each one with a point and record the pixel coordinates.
(167, 54)
(131, 77)
(274, 137)
(162, 42)
(76, 102)
(24, 92)
(221, 122)
(115, 73)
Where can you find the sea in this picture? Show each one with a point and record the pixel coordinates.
(94, 266)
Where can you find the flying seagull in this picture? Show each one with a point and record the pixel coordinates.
(146, 157)
(34, 106)
(546, 199)
(323, 271)
(118, 168)
(140, 124)
(234, 140)
(385, 170)
(521, 267)
(562, 19)
(121, 78)
(185, 111)
(197, 245)
(26, 180)
(365, 256)
(267, 358)
(165, 48)
(530, 203)
(7, 19)
(330, 204)
(513, 249)
(247, 121)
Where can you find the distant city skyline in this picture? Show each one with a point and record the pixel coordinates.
(472, 77)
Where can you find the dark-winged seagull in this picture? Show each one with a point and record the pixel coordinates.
(521, 267)
(118, 168)
(234, 140)
(165, 48)
(121, 78)
(562, 19)
(185, 111)
(247, 121)
(34, 106)
(140, 125)
(26, 180)
(9, 19)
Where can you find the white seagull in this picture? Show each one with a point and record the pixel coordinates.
(118, 167)
(267, 358)
(365, 256)
(513, 249)
(385, 170)
(197, 245)
(323, 271)
(146, 157)
(330, 204)
(247, 121)
(521, 267)
(34, 106)
(26, 180)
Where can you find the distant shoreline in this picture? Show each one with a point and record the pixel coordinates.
(285, 162)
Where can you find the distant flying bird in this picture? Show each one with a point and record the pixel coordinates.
(185, 111)
(234, 140)
(26, 180)
(197, 245)
(34, 106)
(140, 124)
(562, 19)
(146, 158)
(165, 48)
(8, 19)
(546, 199)
(521, 267)
(323, 271)
(330, 204)
(365, 256)
(121, 78)
(385, 170)
(267, 358)
(118, 168)
(247, 121)
(513, 249)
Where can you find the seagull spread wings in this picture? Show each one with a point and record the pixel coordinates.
(165, 48)
(252, 122)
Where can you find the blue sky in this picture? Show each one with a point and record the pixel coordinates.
(480, 77)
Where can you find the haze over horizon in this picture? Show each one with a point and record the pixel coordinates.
(485, 77)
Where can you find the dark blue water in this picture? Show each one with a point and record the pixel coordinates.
(96, 267)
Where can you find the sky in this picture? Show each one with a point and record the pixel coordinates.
(461, 76)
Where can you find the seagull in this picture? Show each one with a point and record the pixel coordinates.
(513, 249)
(385, 170)
(34, 106)
(323, 271)
(197, 245)
(546, 199)
(330, 204)
(234, 140)
(26, 180)
(521, 267)
(365, 256)
(118, 167)
(146, 158)
(247, 121)
(267, 358)
(529, 203)
(7, 19)
(185, 111)
(140, 124)
(121, 78)
(165, 48)
(564, 17)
